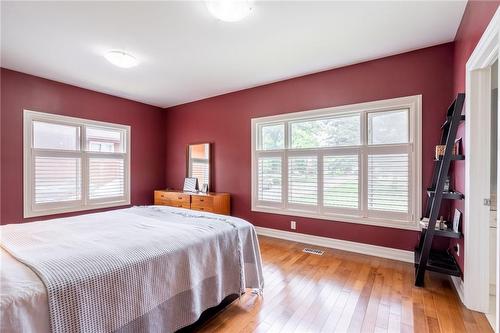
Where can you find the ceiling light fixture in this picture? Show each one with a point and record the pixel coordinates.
(121, 59)
(230, 10)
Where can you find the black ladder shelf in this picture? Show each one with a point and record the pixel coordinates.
(427, 259)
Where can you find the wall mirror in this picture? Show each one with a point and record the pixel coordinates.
(199, 164)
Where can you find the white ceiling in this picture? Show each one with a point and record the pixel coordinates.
(187, 55)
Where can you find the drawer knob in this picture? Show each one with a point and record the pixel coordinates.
(180, 198)
(202, 200)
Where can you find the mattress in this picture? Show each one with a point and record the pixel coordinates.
(24, 304)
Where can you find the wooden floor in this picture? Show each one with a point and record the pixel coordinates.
(342, 292)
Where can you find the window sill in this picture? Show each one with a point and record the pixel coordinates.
(74, 209)
(373, 221)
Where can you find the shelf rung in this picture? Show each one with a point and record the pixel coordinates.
(446, 233)
(447, 195)
(448, 121)
(453, 158)
(441, 262)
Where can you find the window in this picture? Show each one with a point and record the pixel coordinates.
(357, 163)
(73, 164)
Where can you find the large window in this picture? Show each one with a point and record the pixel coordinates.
(358, 163)
(73, 164)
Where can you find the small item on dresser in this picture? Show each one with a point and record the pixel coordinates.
(204, 188)
(190, 184)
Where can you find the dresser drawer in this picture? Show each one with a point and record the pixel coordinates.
(177, 204)
(172, 196)
(202, 209)
(202, 201)
(172, 199)
(172, 203)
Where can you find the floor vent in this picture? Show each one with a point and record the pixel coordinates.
(313, 251)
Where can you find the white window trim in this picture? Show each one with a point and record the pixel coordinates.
(412, 103)
(85, 203)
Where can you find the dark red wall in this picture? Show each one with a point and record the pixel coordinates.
(21, 91)
(225, 121)
(476, 17)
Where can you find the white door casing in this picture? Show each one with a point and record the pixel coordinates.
(477, 173)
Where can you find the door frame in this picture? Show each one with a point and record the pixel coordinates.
(477, 156)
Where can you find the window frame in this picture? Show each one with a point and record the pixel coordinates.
(409, 221)
(31, 209)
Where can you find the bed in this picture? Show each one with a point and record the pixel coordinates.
(140, 269)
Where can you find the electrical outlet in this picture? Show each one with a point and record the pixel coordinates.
(293, 225)
(457, 249)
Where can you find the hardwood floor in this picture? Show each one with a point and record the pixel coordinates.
(342, 292)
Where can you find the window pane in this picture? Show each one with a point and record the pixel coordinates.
(303, 180)
(57, 179)
(106, 177)
(388, 127)
(55, 136)
(106, 140)
(269, 179)
(338, 131)
(340, 181)
(273, 137)
(388, 177)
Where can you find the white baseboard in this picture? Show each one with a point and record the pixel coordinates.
(459, 287)
(368, 249)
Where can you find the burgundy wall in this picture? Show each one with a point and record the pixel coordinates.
(21, 91)
(225, 121)
(476, 17)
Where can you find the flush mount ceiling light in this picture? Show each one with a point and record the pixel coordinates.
(121, 59)
(230, 10)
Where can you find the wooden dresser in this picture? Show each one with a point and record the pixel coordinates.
(211, 202)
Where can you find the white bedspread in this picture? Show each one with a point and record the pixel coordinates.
(188, 261)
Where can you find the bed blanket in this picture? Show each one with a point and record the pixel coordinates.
(141, 269)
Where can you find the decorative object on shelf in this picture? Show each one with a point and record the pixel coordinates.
(458, 146)
(456, 220)
(440, 151)
(447, 185)
(204, 188)
(424, 223)
(190, 184)
(442, 224)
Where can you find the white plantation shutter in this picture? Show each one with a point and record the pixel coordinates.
(57, 179)
(106, 177)
(269, 179)
(73, 164)
(303, 180)
(356, 163)
(388, 179)
(341, 181)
